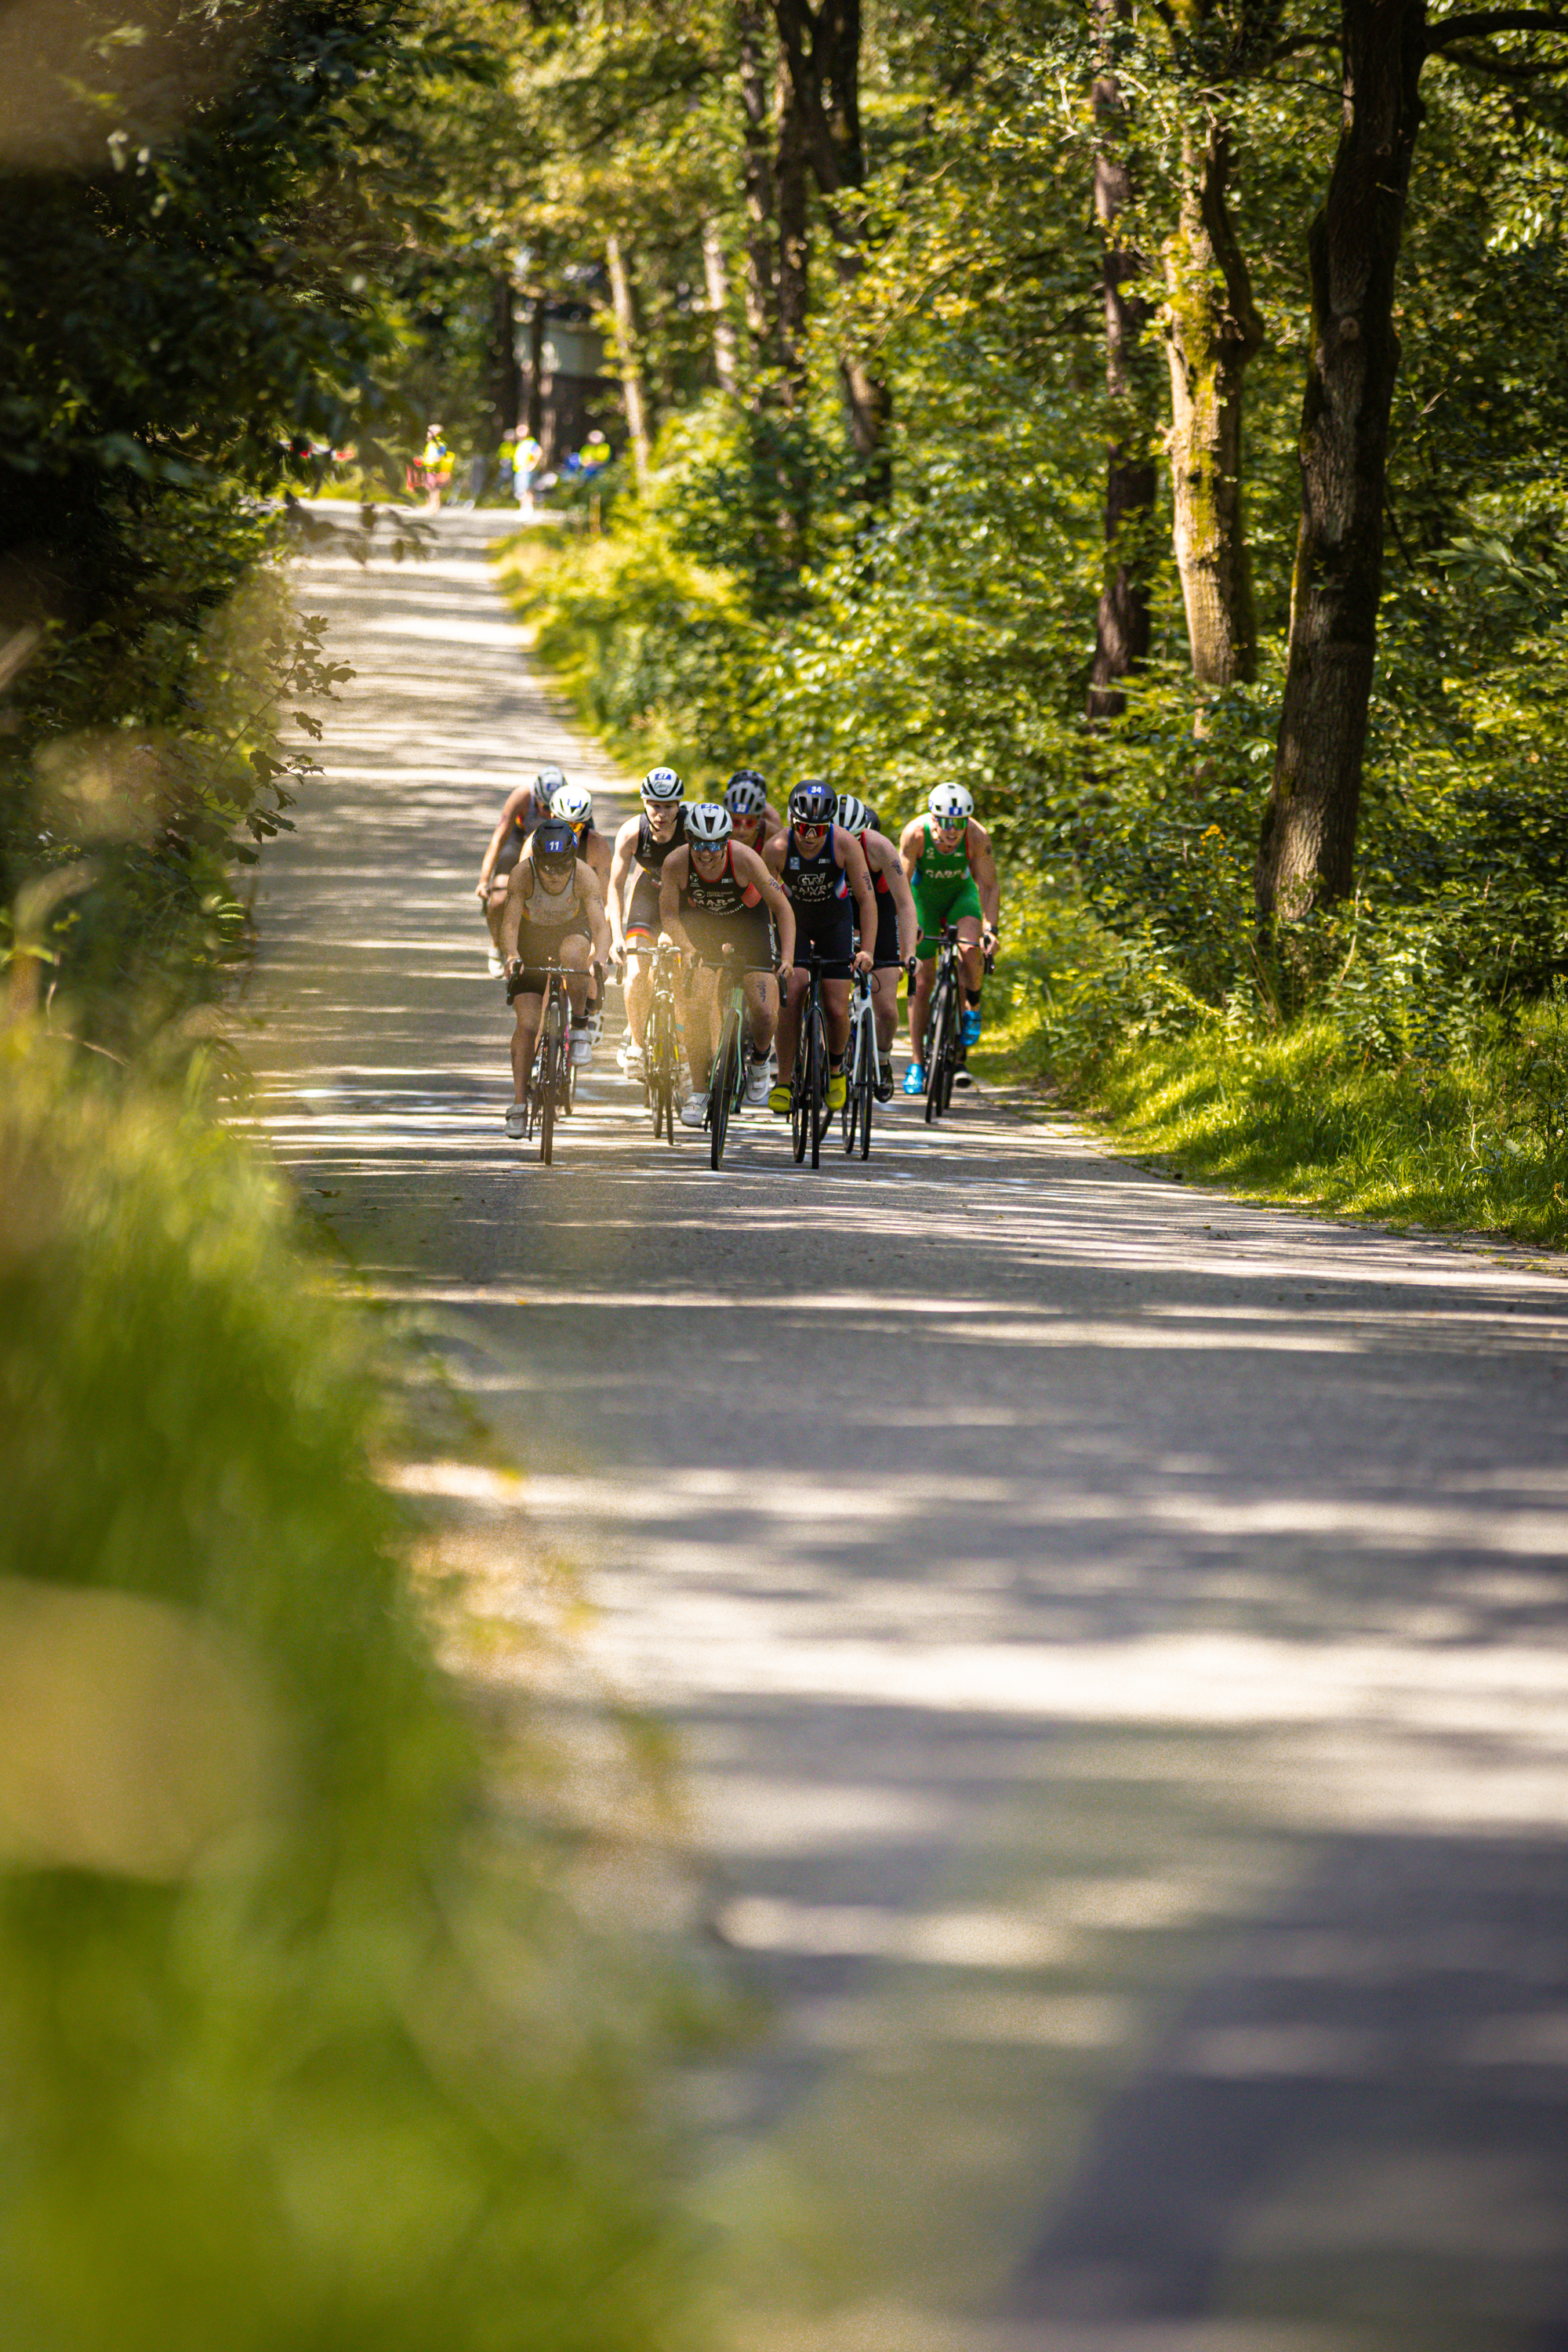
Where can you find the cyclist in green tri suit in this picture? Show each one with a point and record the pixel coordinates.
(952, 875)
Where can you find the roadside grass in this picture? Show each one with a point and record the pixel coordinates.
(1308, 1115)
(309, 2032)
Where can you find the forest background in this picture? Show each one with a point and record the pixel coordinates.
(1153, 418)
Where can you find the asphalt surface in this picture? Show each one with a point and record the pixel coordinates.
(1116, 1639)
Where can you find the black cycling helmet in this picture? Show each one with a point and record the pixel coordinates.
(813, 802)
(554, 846)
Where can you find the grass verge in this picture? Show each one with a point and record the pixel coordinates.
(1308, 1115)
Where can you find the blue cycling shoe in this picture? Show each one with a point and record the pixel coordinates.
(915, 1078)
(969, 1025)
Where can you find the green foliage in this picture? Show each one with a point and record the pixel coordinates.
(300, 2041)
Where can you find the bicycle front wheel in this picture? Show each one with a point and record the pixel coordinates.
(849, 1117)
(721, 1083)
(939, 1046)
(817, 1091)
(866, 1087)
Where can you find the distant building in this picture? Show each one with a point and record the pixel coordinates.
(574, 394)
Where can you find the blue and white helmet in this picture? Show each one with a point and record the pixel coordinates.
(548, 782)
(662, 784)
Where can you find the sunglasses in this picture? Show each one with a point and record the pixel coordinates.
(802, 827)
(709, 848)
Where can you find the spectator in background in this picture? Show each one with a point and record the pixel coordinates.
(434, 468)
(595, 454)
(526, 455)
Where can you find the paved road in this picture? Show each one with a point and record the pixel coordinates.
(1116, 1638)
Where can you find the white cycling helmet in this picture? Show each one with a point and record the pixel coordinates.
(853, 815)
(548, 782)
(952, 804)
(662, 784)
(574, 803)
(746, 794)
(709, 823)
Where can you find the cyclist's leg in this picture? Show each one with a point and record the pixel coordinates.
(642, 938)
(702, 1023)
(789, 1022)
(836, 1018)
(530, 1009)
(762, 1012)
(919, 995)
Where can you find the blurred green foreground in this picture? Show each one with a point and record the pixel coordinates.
(302, 2043)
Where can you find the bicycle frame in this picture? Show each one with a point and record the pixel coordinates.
(809, 1111)
(550, 1075)
(662, 1052)
(727, 1075)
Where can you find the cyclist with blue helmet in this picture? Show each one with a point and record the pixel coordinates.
(827, 880)
(555, 913)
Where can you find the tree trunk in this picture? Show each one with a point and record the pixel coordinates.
(1122, 622)
(628, 345)
(790, 191)
(718, 278)
(821, 54)
(1212, 331)
(503, 362)
(536, 367)
(761, 226)
(1307, 850)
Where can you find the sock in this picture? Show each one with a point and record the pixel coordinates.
(973, 1002)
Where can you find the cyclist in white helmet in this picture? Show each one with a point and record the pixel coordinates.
(526, 807)
(642, 845)
(755, 817)
(715, 893)
(898, 925)
(573, 804)
(947, 857)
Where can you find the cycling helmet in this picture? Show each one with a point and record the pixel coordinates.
(853, 815)
(548, 782)
(572, 803)
(746, 794)
(662, 784)
(813, 802)
(952, 804)
(709, 823)
(554, 846)
(873, 819)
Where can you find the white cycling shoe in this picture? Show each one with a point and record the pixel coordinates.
(582, 1046)
(630, 1058)
(757, 1084)
(515, 1121)
(694, 1111)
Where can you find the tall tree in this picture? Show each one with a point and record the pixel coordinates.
(1308, 842)
(821, 51)
(1121, 620)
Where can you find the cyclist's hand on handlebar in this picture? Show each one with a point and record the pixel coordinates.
(785, 974)
(912, 968)
(482, 889)
(862, 960)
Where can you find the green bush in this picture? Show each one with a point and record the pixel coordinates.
(302, 2045)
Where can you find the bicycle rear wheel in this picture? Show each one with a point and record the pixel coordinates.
(849, 1117)
(866, 1087)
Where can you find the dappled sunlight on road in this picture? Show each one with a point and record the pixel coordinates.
(1118, 1638)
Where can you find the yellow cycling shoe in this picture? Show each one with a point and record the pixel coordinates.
(836, 1090)
(778, 1099)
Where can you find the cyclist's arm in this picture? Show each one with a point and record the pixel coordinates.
(512, 913)
(912, 841)
(856, 867)
(751, 868)
(594, 907)
(672, 874)
(774, 854)
(890, 864)
(620, 866)
(497, 838)
(983, 866)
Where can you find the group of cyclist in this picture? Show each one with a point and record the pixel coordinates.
(739, 890)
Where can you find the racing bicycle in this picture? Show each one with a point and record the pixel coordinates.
(661, 1049)
(550, 1081)
(809, 1111)
(862, 1066)
(943, 1016)
(727, 1079)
